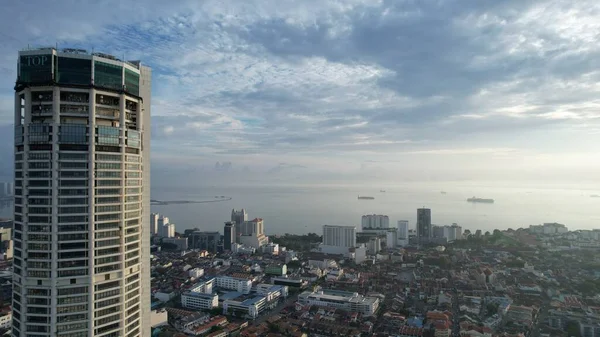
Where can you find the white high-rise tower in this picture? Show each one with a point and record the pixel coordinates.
(82, 195)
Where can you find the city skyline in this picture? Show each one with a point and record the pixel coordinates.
(336, 92)
(261, 122)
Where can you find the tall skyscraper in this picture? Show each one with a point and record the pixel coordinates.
(82, 195)
(204, 240)
(229, 235)
(424, 232)
(339, 236)
(163, 220)
(239, 217)
(403, 229)
(154, 223)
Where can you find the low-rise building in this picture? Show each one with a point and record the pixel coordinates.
(5, 319)
(276, 269)
(181, 243)
(199, 301)
(250, 307)
(287, 281)
(349, 301)
(272, 292)
(196, 272)
(207, 326)
(238, 284)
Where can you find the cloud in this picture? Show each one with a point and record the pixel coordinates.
(320, 84)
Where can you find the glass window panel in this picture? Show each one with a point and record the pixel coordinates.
(132, 82)
(35, 68)
(40, 133)
(74, 71)
(108, 75)
(73, 134)
(18, 135)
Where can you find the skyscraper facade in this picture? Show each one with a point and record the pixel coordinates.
(339, 236)
(403, 229)
(424, 232)
(375, 221)
(208, 241)
(239, 217)
(229, 235)
(82, 195)
(154, 223)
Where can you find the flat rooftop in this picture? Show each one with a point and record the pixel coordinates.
(199, 295)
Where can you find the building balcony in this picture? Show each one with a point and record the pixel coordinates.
(107, 112)
(75, 98)
(78, 110)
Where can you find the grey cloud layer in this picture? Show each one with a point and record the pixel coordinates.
(352, 79)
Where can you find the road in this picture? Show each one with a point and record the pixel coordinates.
(455, 307)
(539, 319)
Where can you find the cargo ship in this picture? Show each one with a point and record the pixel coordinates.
(481, 200)
(365, 198)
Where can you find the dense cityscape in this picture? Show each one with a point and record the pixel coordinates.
(86, 252)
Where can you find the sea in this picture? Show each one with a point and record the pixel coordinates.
(300, 209)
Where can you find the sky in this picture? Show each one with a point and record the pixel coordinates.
(354, 89)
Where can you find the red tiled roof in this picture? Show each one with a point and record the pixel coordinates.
(411, 331)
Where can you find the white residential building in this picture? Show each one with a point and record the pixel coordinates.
(338, 239)
(163, 220)
(403, 233)
(167, 230)
(199, 300)
(251, 307)
(375, 221)
(82, 195)
(391, 238)
(196, 272)
(374, 245)
(238, 284)
(272, 292)
(252, 233)
(5, 320)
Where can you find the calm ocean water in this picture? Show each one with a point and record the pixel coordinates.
(303, 209)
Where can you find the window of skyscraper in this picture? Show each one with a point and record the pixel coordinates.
(133, 138)
(35, 68)
(132, 82)
(108, 135)
(108, 75)
(18, 135)
(73, 134)
(73, 71)
(40, 133)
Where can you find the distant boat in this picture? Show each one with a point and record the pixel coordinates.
(365, 198)
(382, 191)
(481, 200)
(594, 196)
(443, 192)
